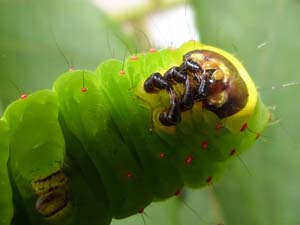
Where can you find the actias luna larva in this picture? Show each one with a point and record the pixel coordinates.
(128, 134)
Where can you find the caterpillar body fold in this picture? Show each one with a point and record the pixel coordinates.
(105, 144)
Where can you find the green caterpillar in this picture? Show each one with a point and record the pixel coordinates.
(115, 140)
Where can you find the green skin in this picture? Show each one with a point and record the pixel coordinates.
(116, 155)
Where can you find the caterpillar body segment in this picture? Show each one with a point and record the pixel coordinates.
(108, 150)
(45, 190)
(106, 144)
(36, 156)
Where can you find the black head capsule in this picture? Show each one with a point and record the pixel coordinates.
(221, 89)
(204, 76)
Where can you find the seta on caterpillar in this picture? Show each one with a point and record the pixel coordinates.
(125, 135)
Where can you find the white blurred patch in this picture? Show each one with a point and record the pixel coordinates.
(172, 27)
(164, 28)
(116, 6)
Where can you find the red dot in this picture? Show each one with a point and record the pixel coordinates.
(83, 89)
(162, 155)
(141, 211)
(134, 58)
(232, 152)
(209, 179)
(177, 193)
(244, 127)
(204, 145)
(152, 50)
(23, 96)
(188, 159)
(122, 72)
(172, 48)
(218, 126)
(129, 175)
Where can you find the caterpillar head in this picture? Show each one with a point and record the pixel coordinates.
(218, 83)
(203, 76)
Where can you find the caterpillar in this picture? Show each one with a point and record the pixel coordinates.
(128, 134)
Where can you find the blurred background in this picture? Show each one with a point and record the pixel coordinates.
(39, 40)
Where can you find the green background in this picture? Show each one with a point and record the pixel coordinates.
(262, 186)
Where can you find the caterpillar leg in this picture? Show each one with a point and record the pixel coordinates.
(179, 75)
(202, 90)
(157, 82)
(176, 73)
(187, 100)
